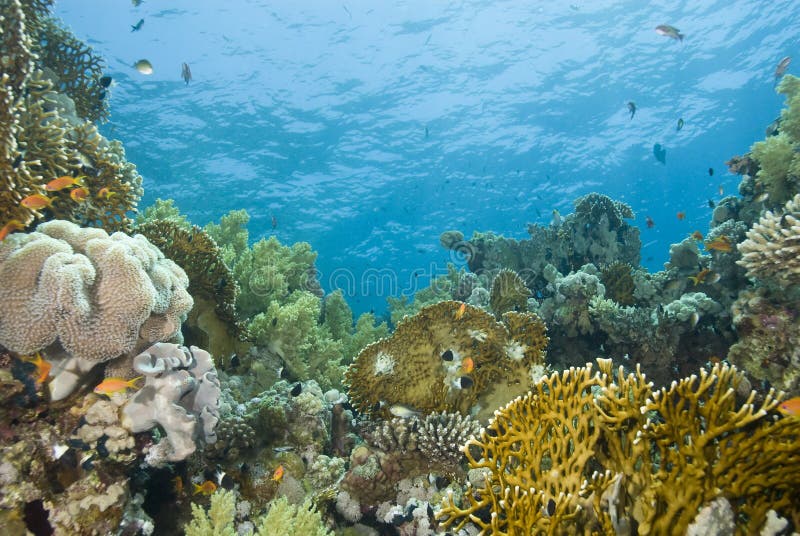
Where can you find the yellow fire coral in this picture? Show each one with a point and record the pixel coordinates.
(772, 249)
(449, 357)
(585, 453)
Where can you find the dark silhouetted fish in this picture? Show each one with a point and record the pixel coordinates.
(138, 26)
(660, 153)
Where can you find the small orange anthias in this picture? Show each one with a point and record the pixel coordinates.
(461, 310)
(10, 227)
(79, 194)
(278, 474)
(42, 367)
(109, 386)
(467, 365)
(681, 215)
(63, 182)
(704, 276)
(36, 202)
(791, 407)
(206, 488)
(721, 243)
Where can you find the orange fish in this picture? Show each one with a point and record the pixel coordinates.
(42, 366)
(63, 182)
(704, 276)
(10, 227)
(278, 474)
(681, 216)
(697, 235)
(467, 365)
(206, 488)
(721, 243)
(79, 194)
(177, 485)
(36, 202)
(110, 386)
(790, 407)
(461, 311)
(105, 192)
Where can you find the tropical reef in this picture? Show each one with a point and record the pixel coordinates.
(159, 377)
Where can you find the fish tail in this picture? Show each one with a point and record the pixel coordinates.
(132, 382)
(197, 489)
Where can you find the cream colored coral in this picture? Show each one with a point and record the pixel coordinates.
(98, 296)
(772, 248)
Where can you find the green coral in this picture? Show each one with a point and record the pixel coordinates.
(163, 209)
(218, 520)
(231, 235)
(778, 156)
(338, 315)
(366, 332)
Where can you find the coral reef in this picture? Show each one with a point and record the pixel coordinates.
(86, 297)
(593, 452)
(180, 394)
(508, 293)
(617, 278)
(448, 357)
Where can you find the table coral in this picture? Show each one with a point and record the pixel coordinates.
(448, 357)
(772, 250)
(605, 453)
(95, 296)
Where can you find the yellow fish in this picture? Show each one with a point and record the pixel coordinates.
(206, 488)
(110, 386)
(79, 194)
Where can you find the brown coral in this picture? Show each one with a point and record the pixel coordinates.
(629, 460)
(424, 366)
(772, 249)
(508, 293)
(618, 281)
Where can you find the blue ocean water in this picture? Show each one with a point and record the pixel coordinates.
(368, 128)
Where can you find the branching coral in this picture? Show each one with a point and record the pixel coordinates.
(772, 249)
(448, 357)
(605, 453)
(93, 295)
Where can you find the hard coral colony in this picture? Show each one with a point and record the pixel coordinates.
(473, 411)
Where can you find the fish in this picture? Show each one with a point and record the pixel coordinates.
(42, 367)
(467, 365)
(711, 172)
(10, 227)
(632, 108)
(761, 197)
(704, 276)
(138, 26)
(426, 133)
(186, 72)
(680, 215)
(404, 412)
(721, 190)
(649, 222)
(105, 193)
(694, 318)
(64, 181)
(697, 235)
(136, 3)
(660, 153)
(711, 203)
(556, 221)
(780, 69)
(273, 220)
(177, 485)
(680, 125)
(79, 194)
(791, 407)
(36, 202)
(143, 66)
(461, 310)
(669, 31)
(297, 389)
(105, 81)
(721, 243)
(278, 474)
(110, 386)
(206, 488)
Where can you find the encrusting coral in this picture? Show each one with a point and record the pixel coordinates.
(86, 297)
(771, 252)
(449, 357)
(605, 453)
